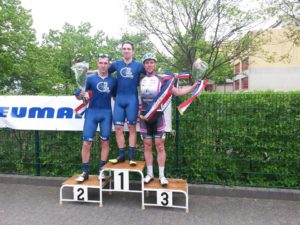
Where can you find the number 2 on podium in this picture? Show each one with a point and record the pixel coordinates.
(121, 180)
(80, 193)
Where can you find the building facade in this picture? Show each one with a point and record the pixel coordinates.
(275, 66)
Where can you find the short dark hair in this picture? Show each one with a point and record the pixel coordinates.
(128, 42)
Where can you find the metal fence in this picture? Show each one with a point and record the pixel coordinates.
(233, 139)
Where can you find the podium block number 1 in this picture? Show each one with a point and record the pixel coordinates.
(121, 180)
(80, 193)
(164, 198)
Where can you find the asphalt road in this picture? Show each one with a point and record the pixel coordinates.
(33, 204)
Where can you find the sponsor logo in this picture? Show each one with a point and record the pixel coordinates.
(126, 72)
(38, 112)
(103, 87)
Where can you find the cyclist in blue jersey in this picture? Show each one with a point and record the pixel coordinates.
(151, 85)
(126, 102)
(99, 113)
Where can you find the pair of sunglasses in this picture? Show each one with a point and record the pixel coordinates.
(103, 55)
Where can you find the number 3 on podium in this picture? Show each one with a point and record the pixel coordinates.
(121, 180)
(164, 198)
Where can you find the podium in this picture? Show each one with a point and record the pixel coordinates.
(119, 173)
(80, 192)
(118, 180)
(165, 195)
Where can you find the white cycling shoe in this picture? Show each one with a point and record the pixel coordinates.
(101, 176)
(82, 177)
(163, 181)
(147, 179)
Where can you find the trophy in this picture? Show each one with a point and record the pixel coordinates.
(80, 69)
(198, 70)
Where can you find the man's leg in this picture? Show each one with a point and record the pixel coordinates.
(132, 143)
(118, 118)
(104, 150)
(85, 155)
(86, 151)
(161, 160)
(149, 159)
(104, 157)
(120, 136)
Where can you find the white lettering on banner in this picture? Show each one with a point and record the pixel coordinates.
(47, 113)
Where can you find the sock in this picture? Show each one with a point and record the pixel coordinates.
(161, 171)
(150, 171)
(122, 152)
(85, 167)
(131, 153)
(102, 163)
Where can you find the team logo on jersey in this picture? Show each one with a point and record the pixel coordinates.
(103, 87)
(126, 72)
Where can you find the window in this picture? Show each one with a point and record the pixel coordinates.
(209, 87)
(237, 68)
(236, 84)
(245, 64)
(245, 83)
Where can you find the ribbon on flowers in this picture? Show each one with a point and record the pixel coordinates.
(79, 110)
(183, 106)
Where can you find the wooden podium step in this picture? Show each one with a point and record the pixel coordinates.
(81, 190)
(165, 195)
(92, 181)
(140, 165)
(174, 184)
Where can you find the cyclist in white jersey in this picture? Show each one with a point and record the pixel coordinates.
(154, 128)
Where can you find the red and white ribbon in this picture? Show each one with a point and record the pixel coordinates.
(200, 88)
(164, 97)
(79, 110)
(161, 99)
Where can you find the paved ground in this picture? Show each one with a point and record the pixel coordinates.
(31, 204)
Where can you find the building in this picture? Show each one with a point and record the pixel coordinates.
(275, 66)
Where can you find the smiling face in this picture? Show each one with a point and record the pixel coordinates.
(127, 51)
(149, 65)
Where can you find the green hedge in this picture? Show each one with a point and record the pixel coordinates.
(242, 139)
(249, 139)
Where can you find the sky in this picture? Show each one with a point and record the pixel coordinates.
(106, 15)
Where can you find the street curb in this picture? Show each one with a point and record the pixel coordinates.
(194, 189)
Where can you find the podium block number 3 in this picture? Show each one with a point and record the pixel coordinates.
(121, 180)
(80, 193)
(164, 198)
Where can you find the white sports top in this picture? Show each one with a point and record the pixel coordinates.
(150, 88)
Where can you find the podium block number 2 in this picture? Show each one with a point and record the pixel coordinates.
(121, 180)
(164, 198)
(80, 193)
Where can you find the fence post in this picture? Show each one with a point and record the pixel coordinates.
(37, 153)
(177, 135)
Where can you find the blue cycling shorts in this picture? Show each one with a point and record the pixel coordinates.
(95, 118)
(126, 107)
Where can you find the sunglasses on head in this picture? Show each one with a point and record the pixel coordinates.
(103, 55)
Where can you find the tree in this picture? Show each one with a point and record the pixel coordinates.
(63, 47)
(286, 13)
(182, 26)
(17, 41)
